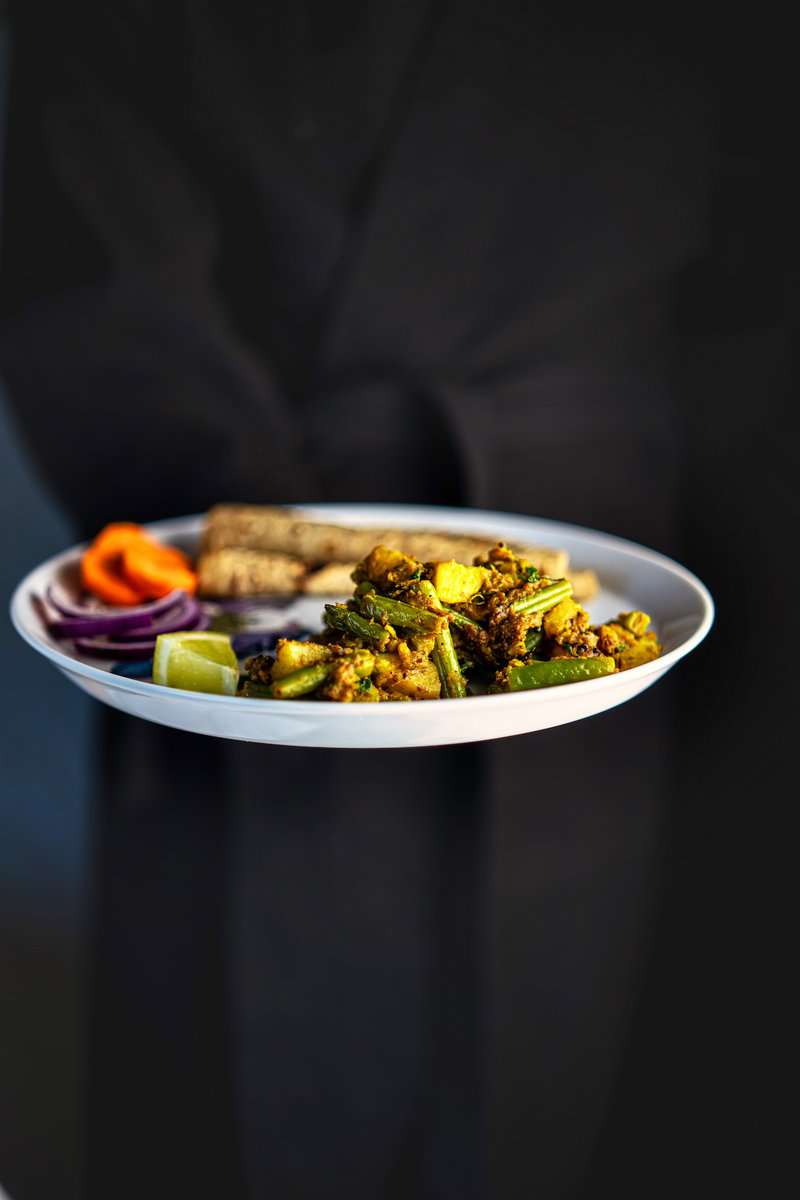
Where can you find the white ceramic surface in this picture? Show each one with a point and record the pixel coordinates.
(631, 577)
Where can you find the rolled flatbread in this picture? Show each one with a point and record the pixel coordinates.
(250, 549)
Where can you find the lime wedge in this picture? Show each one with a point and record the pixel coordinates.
(198, 661)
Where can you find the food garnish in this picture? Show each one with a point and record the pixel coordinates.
(199, 661)
(125, 565)
(120, 633)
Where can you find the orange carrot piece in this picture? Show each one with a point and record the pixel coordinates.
(102, 576)
(112, 538)
(124, 565)
(156, 570)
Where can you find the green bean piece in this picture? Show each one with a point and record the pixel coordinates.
(635, 622)
(397, 612)
(302, 681)
(556, 671)
(444, 655)
(452, 681)
(459, 618)
(257, 691)
(544, 599)
(533, 640)
(347, 621)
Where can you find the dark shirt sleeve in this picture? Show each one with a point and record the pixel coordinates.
(125, 371)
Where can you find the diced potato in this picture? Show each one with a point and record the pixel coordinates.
(383, 567)
(559, 616)
(457, 584)
(417, 681)
(643, 650)
(291, 656)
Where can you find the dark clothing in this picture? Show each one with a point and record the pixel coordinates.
(419, 252)
(244, 225)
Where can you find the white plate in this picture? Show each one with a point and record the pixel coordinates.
(631, 578)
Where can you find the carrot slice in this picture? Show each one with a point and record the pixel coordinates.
(102, 576)
(112, 538)
(156, 570)
(124, 565)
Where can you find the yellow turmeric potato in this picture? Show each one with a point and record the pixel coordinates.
(643, 650)
(418, 680)
(291, 656)
(385, 567)
(457, 584)
(557, 618)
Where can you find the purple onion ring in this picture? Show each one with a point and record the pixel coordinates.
(190, 615)
(112, 619)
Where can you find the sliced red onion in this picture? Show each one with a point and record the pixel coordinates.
(120, 618)
(134, 646)
(72, 627)
(190, 615)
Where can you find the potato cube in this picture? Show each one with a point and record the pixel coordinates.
(291, 656)
(457, 584)
(559, 616)
(417, 681)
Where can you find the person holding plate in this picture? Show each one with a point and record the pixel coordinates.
(416, 252)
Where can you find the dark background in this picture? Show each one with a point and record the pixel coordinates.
(44, 800)
(710, 1104)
